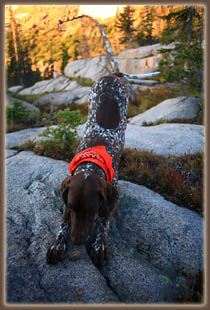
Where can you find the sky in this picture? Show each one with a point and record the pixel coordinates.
(100, 11)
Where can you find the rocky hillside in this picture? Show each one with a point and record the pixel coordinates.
(48, 37)
(156, 246)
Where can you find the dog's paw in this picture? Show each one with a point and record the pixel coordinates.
(56, 252)
(99, 252)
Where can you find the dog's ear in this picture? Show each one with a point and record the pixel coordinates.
(108, 195)
(65, 188)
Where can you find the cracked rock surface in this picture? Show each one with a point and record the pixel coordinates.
(154, 244)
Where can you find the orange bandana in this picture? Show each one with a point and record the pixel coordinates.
(97, 155)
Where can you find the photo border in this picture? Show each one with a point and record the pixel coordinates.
(3, 304)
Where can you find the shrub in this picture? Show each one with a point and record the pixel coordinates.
(179, 180)
(18, 116)
(62, 138)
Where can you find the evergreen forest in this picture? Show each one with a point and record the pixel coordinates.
(41, 40)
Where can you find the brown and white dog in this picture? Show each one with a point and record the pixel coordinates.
(91, 193)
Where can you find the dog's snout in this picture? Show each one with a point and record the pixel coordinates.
(79, 234)
(78, 239)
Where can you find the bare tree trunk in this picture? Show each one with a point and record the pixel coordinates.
(15, 42)
(112, 61)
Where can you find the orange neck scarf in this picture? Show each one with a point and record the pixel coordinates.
(97, 155)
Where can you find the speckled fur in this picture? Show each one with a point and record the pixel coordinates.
(110, 94)
(113, 139)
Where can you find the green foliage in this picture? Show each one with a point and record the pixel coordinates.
(27, 98)
(19, 64)
(125, 24)
(61, 140)
(18, 114)
(30, 145)
(184, 62)
(63, 136)
(65, 133)
(165, 279)
(83, 81)
(144, 34)
(179, 180)
(64, 56)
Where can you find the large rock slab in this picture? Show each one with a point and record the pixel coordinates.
(77, 95)
(98, 66)
(139, 66)
(34, 209)
(15, 89)
(143, 51)
(92, 68)
(153, 243)
(132, 61)
(166, 139)
(60, 91)
(52, 85)
(57, 99)
(17, 138)
(176, 108)
(10, 153)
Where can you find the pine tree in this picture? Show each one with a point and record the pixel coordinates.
(125, 24)
(64, 56)
(14, 49)
(184, 62)
(145, 28)
(19, 64)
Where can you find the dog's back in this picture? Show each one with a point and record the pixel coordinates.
(107, 120)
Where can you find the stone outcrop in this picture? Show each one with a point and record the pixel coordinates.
(139, 66)
(15, 89)
(176, 108)
(143, 51)
(14, 139)
(60, 91)
(57, 99)
(141, 60)
(133, 61)
(92, 68)
(166, 139)
(156, 247)
(52, 85)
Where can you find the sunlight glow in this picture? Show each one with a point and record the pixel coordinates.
(100, 11)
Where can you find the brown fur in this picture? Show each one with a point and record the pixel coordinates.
(89, 200)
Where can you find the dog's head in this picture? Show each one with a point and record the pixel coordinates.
(87, 196)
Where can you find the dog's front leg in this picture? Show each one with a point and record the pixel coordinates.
(56, 251)
(99, 252)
